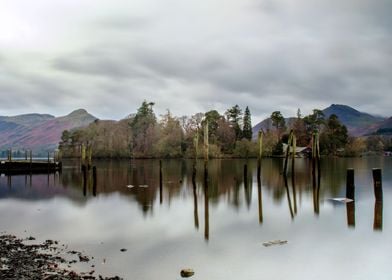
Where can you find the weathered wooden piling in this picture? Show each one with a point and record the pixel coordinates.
(196, 144)
(350, 209)
(377, 222)
(260, 199)
(9, 181)
(316, 189)
(160, 182)
(84, 172)
(245, 175)
(294, 192)
(377, 182)
(25, 155)
(89, 155)
(206, 151)
(94, 180)
(83, 155)
(194, 170)
(350, 187)
(289, 143)
(195, 211)
(206, 212)
(260, 155)
(293, 154)
(288, 196)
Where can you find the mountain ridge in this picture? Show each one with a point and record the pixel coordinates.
(39, 132)
(357, 123)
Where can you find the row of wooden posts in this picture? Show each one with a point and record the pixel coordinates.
(86, 153)
(29, 156)
(377, 184)
(291, 147)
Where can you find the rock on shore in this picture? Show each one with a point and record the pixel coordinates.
(38, 261)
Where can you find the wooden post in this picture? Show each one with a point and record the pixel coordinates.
(350, 187)
(10, 155)
(84, 171)
(260, 200)
(245, 175)
(194, 170)
(94, 180)
(288, 196)
(260, 138)
(350, 209)
(26, 155)
(377, 181)
(83, 153)
(294, 192)
(206, 212)
(313, 146)
(31, 159)
(206, 150)
(377, 222)
(48, 157)
(195, 212)
(294, 147)
(90, 155)
(318, 155)
(196, 144)
(160, 183)
(287, 152)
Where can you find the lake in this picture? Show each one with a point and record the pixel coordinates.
(218, 231)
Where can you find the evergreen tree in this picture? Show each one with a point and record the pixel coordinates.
(334, 137)
(234, 115)
(278, 121)
(247, 129)
(144, 130)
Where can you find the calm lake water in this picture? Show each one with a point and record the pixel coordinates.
(219, 230)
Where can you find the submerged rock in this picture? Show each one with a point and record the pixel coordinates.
(187, 272)
(275, 242)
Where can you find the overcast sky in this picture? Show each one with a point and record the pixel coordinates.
(193, 56)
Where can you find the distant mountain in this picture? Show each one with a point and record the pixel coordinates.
(357, 123)
(266, 125)
(385, 128)
(39, 132)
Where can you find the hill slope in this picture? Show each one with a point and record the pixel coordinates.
(357, 123)
(39, 132)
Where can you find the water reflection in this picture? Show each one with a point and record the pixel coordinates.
(228, 180)
(378, 209)
(350, 209)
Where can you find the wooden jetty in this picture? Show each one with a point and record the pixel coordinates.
(23, 166)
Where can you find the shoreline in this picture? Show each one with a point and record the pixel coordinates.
(24, 259)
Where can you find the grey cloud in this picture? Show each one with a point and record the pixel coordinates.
(123, 23)
(283, 54)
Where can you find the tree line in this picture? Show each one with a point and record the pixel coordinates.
(143, 135)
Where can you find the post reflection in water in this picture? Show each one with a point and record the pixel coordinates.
(350, 208)
(316, 180)
(206, 211)
(229, 182)
(288, 196)
(378, 210)
(259, 195)
(195, 212)
(247, 186)
(294, 191)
